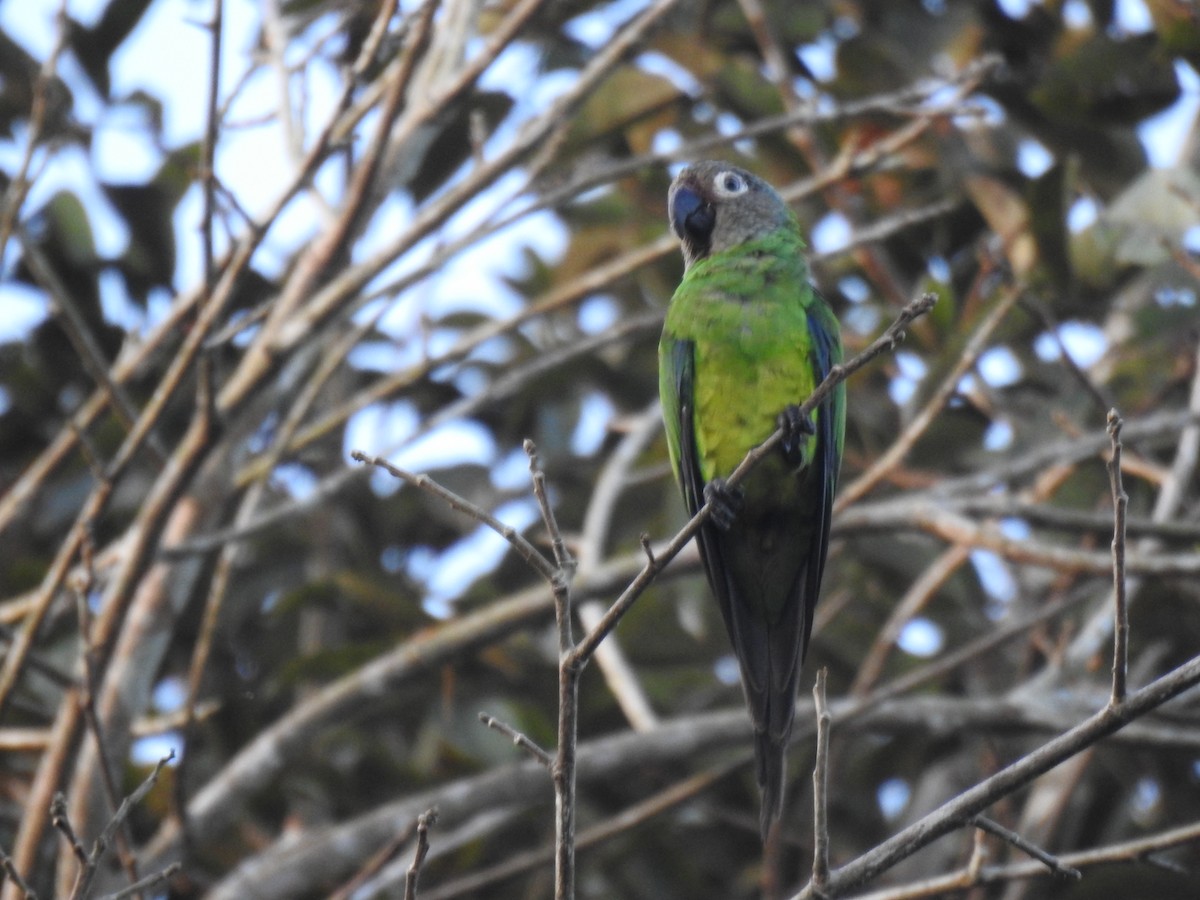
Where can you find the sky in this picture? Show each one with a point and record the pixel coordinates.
(170, 49)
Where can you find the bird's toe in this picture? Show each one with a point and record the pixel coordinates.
(725, 502)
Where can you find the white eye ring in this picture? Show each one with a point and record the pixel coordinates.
(729, 184)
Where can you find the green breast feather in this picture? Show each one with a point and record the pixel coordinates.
(746, 314)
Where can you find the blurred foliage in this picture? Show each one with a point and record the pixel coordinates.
(1046, 186)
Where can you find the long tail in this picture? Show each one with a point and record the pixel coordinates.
(771, 755)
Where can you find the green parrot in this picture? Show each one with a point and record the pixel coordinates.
(746, 339)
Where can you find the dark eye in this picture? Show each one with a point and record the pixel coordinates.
(730, 184)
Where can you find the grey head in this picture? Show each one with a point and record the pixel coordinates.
(715, 206)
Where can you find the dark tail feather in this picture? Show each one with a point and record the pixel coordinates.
(771, 755)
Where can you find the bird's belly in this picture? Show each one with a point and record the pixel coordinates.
(768, 543)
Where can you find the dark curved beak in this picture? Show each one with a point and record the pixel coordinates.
(692, 219)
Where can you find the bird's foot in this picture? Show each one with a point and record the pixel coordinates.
(797, 428)
(726, 502)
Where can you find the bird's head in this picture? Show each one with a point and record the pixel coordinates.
(715, 206)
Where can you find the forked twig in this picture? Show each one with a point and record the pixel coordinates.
(566, 565)
(526, 550)
(87, 874)
(13, 875)
(474, 884)
(375, 863)
(1049, 860)
(965, 806)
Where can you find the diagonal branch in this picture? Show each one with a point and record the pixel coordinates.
(962, 809)
(526, 550)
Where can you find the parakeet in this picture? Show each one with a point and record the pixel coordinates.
(746, 339)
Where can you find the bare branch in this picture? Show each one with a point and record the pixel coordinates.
(424, 821)
(142, 884)
(17, 188)
(526, 550)
(566, 565)
(647, 809)
(520, 739)
(971, 802)
(13, 874)
(114, 825)
(1051, 862)
(1136, 851)
(60, 820)
(1120, 669)
(820, 868)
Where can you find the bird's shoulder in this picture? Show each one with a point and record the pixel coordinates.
(766, 278)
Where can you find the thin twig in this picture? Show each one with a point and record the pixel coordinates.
(1120, 671)
(1136, 851)
(644, 539)
(566, 565)
(17, 188)
(115, 823)
(375, 863)
(641, 812)
(820, 868)
(81, 335)
(62, 823)
(81, 587)
(920, 423)
(13, 875)
(886, 341)
(1049, 860)
(143, 883)
(520, 739)
(927, 513)
(526, 550)
(424, 821)
(209, 150)
(127, 613)
(904, 103)
(1184, 440)
(563, 767)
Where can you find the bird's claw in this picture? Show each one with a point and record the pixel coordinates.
(724, 501)
(796, 428)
